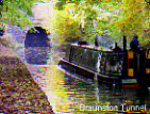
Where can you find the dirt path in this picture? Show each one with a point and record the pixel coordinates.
(19, 92)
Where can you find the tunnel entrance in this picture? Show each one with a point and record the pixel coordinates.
(37, 46)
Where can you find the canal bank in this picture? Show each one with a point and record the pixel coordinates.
(19, 92)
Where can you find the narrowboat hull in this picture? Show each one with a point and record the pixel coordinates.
(102, 79)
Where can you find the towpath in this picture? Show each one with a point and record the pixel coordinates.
(19, 91)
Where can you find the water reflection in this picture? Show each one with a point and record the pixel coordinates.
(67, 93)
(70, 93)
(79, 91)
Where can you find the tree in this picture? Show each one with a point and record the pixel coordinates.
(116, 18)
(75, 15)
(16, 12)
(66, 28)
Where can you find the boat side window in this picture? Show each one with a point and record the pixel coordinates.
(111, 63)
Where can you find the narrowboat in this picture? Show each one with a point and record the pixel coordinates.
(112, 65)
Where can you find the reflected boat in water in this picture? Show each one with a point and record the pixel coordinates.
(83, 93)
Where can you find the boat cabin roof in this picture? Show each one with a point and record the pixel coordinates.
(92, 46)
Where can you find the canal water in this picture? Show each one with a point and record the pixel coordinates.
(72, 93)
(76, 94)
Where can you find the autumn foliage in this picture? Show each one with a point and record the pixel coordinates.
(113, 18)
